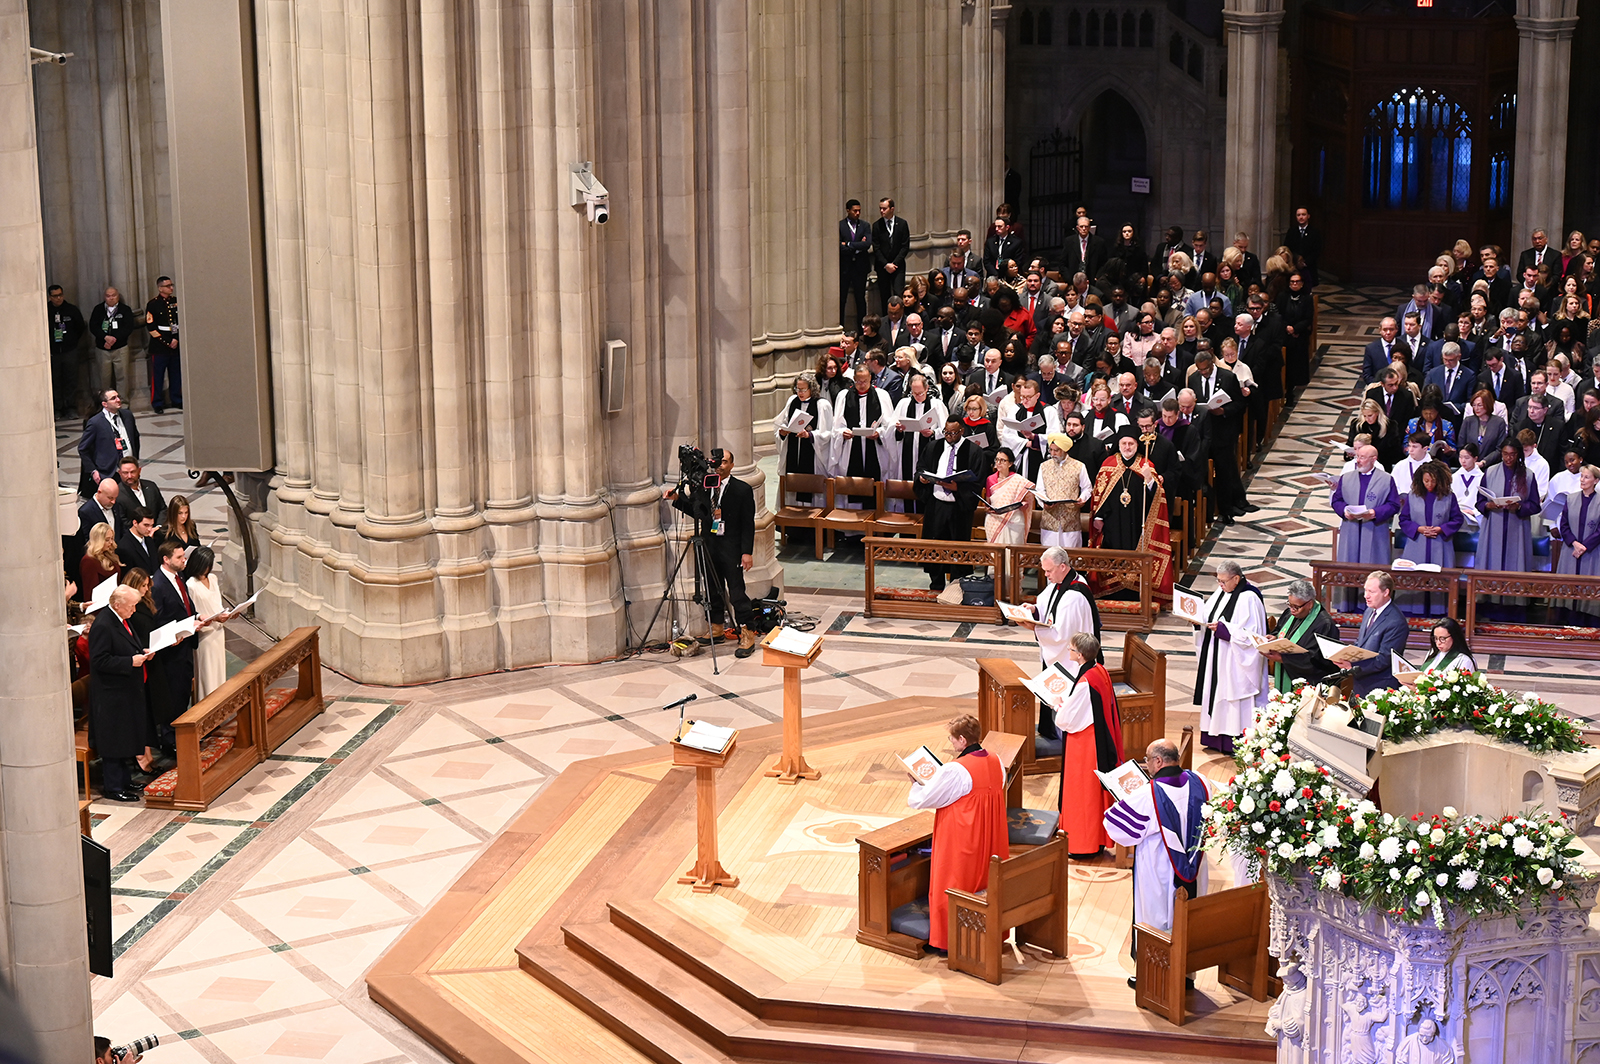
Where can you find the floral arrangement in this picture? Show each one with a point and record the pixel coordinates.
(1287, 815)
(1454, 699)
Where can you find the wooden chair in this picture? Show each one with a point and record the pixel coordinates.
(1027, 892)
(84, 754)
(891, 523)
(843, 519)
(1226, 930)
(798, 516)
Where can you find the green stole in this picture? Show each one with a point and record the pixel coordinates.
(1292, 632)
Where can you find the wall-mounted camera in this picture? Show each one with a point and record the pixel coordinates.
(44, 55)
(587, 190)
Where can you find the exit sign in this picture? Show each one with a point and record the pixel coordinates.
(1424, 3)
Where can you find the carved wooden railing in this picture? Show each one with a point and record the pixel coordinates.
(210, 760)
(1102, 567)
(1444, 586)
(1518, 637)
(947, 553)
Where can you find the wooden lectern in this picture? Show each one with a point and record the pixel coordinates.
(707, 874)
(791, 767)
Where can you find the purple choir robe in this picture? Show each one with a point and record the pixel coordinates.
(1580, 523)
(1367, 542)
(1505, 537)
(1422, 511)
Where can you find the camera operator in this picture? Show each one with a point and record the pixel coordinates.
(730, 534)
(103, 1053)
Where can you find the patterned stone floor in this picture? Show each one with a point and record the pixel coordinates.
(244, 932)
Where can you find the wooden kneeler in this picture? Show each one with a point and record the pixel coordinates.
(1028, 892)
(1226, 930)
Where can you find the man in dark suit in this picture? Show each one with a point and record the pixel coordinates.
(137, 493)
(891, 243)
(1305, 243)
(1211, 380)
(732, 548)
(1538, 386)
(1249, 271)
(117, 710)
(1084, 252)
(855, 258)
(1376, 358)
(137, 548)
(1541, 252)
(947, 493)
(173, 669)
(1399, 406)
(989, 376)
(1000, 247)
(1164, 250)
(957, 274)
(1383, 631)
(1433, 353)
(1204, 261)
(1501, 378)
(1453, 380)
(107, 437)
(945, 341)
(101, 508)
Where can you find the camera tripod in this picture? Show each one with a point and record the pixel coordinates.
(703, 567)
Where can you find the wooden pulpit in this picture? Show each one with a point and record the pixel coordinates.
(707, 874)
(791, 767)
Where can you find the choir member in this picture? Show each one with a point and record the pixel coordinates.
(1163, 824)
(1505, 540)
(1366, 501)
(969, 795)
(1092, 733)
(1464, 485)
(861, 424)
(910, 443)
(807, 450)
(1064, 489)
(1580, 527)
(1430, 517)
(1302, 621)
(1028, 444)
(1232, 677)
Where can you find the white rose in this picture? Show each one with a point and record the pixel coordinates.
(1423, 828)
(1522, 846)
(1413, 846)
(1247, 805)
(1285, 850)
(1205, 810)
(1367, 808)
(1312, 849)
(1330, 837)
(1389, 849)
(1467, 879)
(1291, 806)
(1258, 827)
(1422, 899)
(1557, 831)
(1437, 836)
(1367, 852)
(1545, 876)
(1442, 879)
(1394, 874)
(1449, 812)
(1509, 829)
(1331, 879)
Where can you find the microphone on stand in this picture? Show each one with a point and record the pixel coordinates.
(680, 703)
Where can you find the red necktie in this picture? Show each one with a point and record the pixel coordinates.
(184, 593)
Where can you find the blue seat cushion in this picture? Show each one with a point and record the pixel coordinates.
(1043, 747)
(1466, 542)
(1121, 689)
(1541, 547)
(1031, 827)
(911, 919)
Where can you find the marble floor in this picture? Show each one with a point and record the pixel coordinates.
(243, 932)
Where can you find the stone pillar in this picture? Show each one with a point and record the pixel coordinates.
(43, 949)
(1250, 156)
(1544, 73)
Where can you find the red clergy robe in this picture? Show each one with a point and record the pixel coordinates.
(965, 834)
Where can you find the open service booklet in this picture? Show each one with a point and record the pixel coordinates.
(922, 762)
(701, 735)
(1124, 781)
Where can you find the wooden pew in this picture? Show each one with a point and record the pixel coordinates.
(894, 873)
(919, 603)
(1005, 704)
(211, 758)
(1100, 566)
(1226, 930)
(1140, 683)
(1028, 892)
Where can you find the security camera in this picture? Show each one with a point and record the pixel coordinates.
(41, 55)
(587, 190)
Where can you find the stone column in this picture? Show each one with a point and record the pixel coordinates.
(1544, 73)
(1250, 155)
(43, 950)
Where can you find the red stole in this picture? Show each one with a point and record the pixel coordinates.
(965, 834)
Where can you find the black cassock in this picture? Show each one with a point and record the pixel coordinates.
(1031, 453)
(912, 444)
(863, 459)
(801, 456)
(1124, 521)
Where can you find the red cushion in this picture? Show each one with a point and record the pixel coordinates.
(212, 747)
(277, 698)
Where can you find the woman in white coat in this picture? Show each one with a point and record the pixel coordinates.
(210, 657)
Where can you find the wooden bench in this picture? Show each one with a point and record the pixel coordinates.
(210, 758)
(1527, 636)
(798, 516)
(1027, 892)
(895, 523)
(1226, 930)
(843, 519)
(1328, 577)
(893, 872)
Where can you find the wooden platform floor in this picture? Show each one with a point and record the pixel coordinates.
(584, 882)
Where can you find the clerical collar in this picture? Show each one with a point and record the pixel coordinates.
(973, 748)
(1167, 772)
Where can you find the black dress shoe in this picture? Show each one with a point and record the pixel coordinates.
(1228, 520)
(1133, 984)
(1249, 508)
(122, 796)
(935, 950)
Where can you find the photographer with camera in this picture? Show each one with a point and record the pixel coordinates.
(724, 511)
(106, 1053)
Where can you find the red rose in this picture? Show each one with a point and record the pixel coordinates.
(1274, 806)
(1305, 792)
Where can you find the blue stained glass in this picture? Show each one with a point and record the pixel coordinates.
(1463, 172)
(1418, 153)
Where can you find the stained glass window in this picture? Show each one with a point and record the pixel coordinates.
(1046, 27)
(1499, 180)
(1418, 150)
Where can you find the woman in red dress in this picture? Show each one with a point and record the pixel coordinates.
(1092, 729)
(969, 793)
